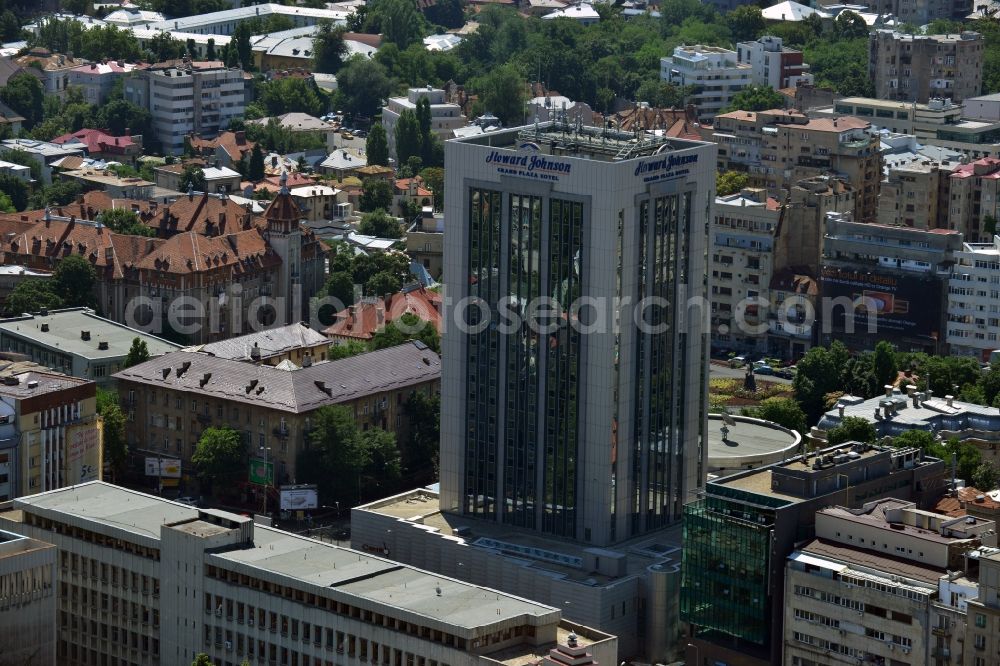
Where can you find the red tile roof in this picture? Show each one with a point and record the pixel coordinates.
(234, 143)
(361, 321)
(98, 141)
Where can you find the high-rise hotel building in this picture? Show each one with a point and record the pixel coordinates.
(575, 353)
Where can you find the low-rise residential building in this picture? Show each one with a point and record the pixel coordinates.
(50, 433)
(739, 535)
(43, 152)
(97, 79)
(317, 202)
(361, 321)
(185, 97)
(17, 170)
(228, 147)
(773, 64)
(304, 124)
(10, 119)
(425, 241)
(445, 116)
(921, 120)
(891, 558)
(172, 398)
(54, 69)
(221, 179)
(887, 282)
(410, 192)
(974, 300)
(117, 187)
(899, 410)
(271, 346)
(250, 592)
(716, 74)
(28, 592)
(76, 341)
(101, 145)
(342, 163)
(917, 68)
(583, 13)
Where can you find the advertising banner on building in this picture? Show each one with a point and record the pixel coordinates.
(167, 468)
(298, 498)
(898, 305)
(83, 452)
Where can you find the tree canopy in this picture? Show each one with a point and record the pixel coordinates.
(137, 353)
(379, 223)
(220, 453)
(377, 146)
(757, 98)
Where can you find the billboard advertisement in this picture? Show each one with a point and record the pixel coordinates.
(261, 473)
(83, 452)
(902, 305)
(168, 468)
(298, 498)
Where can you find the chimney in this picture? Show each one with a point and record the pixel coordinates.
(255, 352)
(307, 360)
(85, 335)
(380, 313)
(45, 328)
(910, 390)
(950, 399)
(888, 390)
(840, 411)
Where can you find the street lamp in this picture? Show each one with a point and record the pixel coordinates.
(267, 476)
(697, 651)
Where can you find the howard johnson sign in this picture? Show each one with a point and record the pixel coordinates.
(528, 165)
(664, 167)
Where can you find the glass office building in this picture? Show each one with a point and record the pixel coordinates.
(575, 350)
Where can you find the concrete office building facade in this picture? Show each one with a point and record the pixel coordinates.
(566, 432)
(143, 580)
(27, 600)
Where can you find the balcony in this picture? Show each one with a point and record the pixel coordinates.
(941, 631)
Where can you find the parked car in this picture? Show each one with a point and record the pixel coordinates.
(737, 361)
(763, 369)
(361, 134)
(785, 373)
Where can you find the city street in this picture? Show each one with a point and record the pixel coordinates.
(725, 372)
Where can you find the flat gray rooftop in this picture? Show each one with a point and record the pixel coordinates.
(64, 334)
(749, 438)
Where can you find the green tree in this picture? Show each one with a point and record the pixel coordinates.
(380, 224)
(24, 93)
(434, 181)
(220, 453)
(407, 327)
(730, 182)
(31, 296)
(849, 25)
(985, 476)
(192, 177)
(329, 49)
(113, 431)
(757, 98)
(423, 416)
(383, 466)
(6, 203)
(16, 189)
(291, 95)
(661, 94)
(398, 20)
(341, 349)
(59, 193)
(819, 373)
(383, 283)
(137, 353)
(363, 84)
(202, 659)
(163, 46)
(377, 146)
(886, 371)
(256, 170)
(852, 429)
(340, 285)
(125, 221)
(74, 279)
(408, 141)
(10, 26)
(503, 92)
(210, 50)
(783, 411)
(118, 115)
(745, 23)
(240, 43)
(335, 457)
(920, 439)
(376, 194)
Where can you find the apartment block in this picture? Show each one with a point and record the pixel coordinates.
(53, 69)
(742, 263)
(867, 587)
(142, 580)
(890, 282)
(921, 120)
(982, 637)
(779, 147)
(50, 434)
(76, 341)
(172, 398)
(921, 12)
(715, 73)
(28, 600)
(445, 116)
(425, 241)
(773, 64)
(972, 193)
(272, 346)
(917, 68)
(187, 97)
(974, 300)
(739, 535)
(910, 194)
(98, 79)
